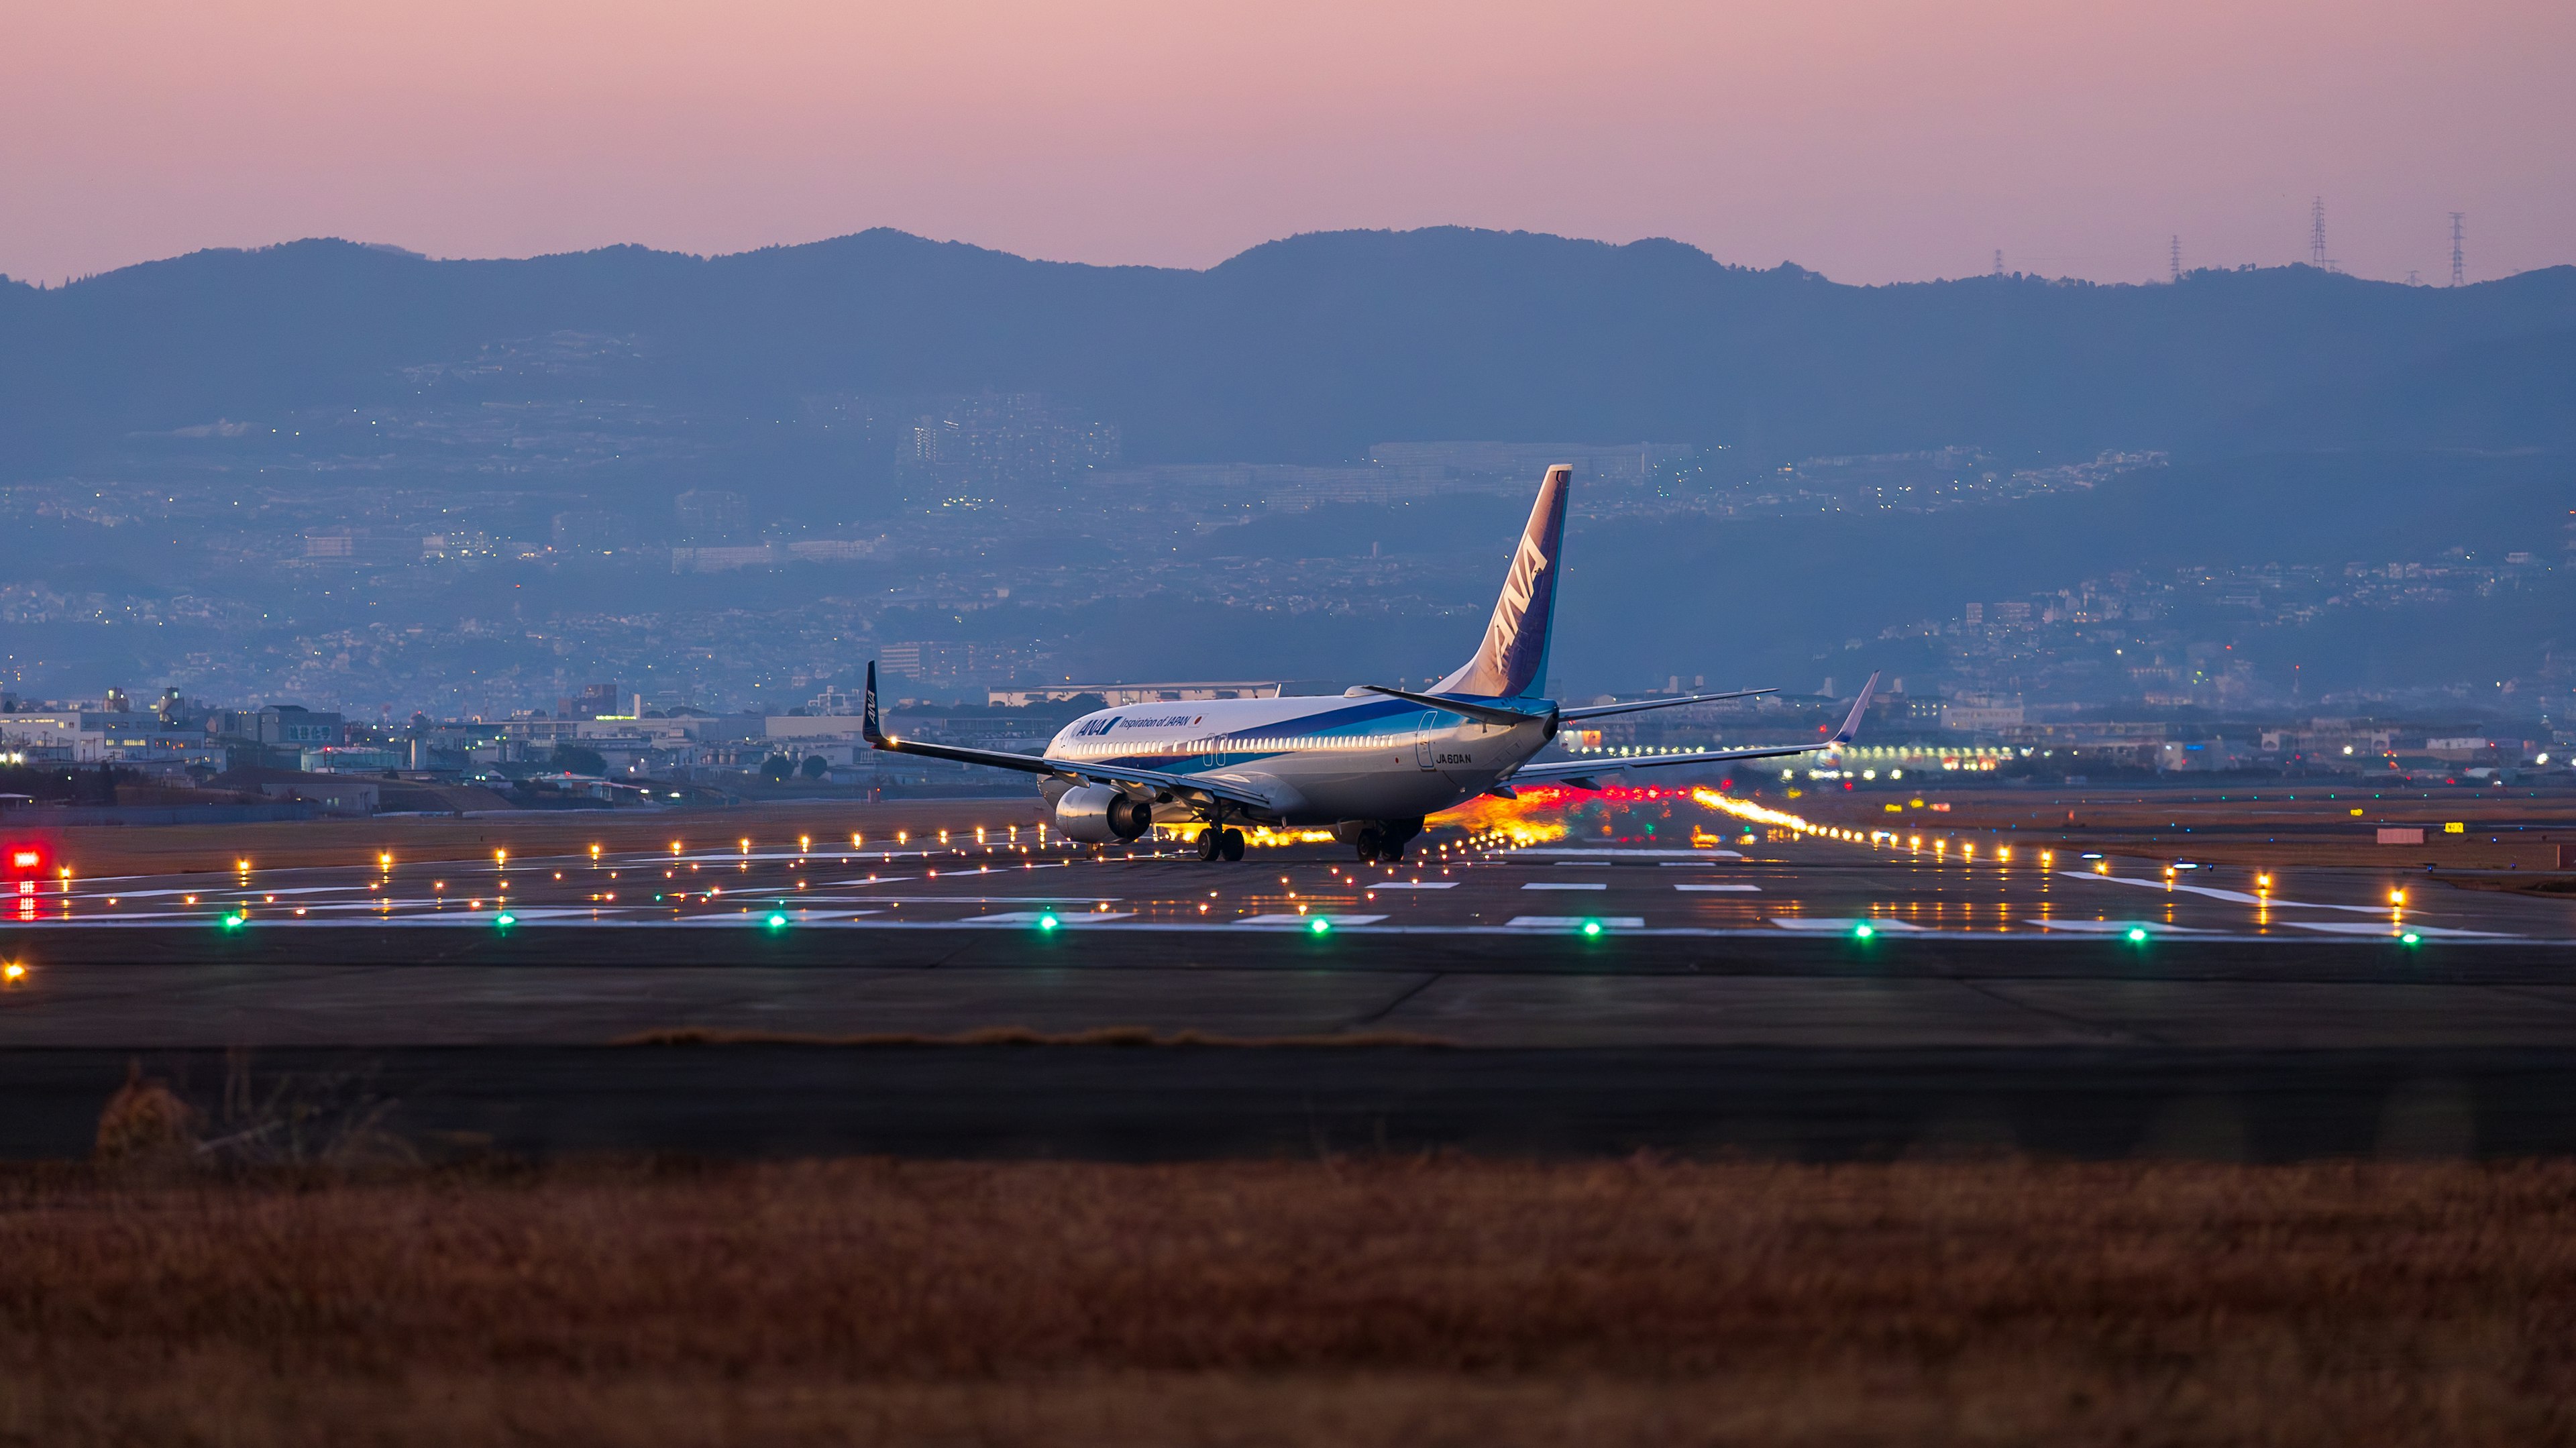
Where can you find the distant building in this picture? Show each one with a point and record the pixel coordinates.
(595, 530)
(286, 724)
(352, 759)
(723, 558)
(1120, 695)
(1005, 439)
(1634, 462)
(953, 664)
(594, 701)
(711, 515)
(832, 550)
(1979, 718)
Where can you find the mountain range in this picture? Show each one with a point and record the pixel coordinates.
(1312, 348)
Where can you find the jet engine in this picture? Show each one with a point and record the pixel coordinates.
(1096, 815)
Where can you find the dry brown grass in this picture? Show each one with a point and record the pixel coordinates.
(1396, 1301)
(1119, 1036)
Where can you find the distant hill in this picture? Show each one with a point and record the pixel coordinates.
(1310, 349)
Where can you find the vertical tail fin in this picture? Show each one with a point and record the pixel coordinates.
(868, 729)
(1512, 661)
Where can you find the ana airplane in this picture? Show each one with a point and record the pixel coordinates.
(1370, 763)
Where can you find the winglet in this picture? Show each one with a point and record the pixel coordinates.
(1851, 722)
(868, 710)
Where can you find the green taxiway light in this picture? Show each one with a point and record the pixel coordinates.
(1591, 927)
(776, 919)
(1048, 921)
(233, 922)
(1319, 925)
(505, 918)
(2137, 934)
(1863, 931)
(2411, 938)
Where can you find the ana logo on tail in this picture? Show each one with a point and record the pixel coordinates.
(1512, 660)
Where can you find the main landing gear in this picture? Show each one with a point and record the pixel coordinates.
(1220, 844)
(1379, 841)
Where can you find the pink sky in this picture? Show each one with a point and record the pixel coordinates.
(1873, 140)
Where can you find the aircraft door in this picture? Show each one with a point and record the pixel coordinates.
(1422, 740)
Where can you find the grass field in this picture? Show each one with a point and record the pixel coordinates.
(1433, 1301)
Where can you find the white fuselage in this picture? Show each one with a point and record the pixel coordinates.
(1318, 759)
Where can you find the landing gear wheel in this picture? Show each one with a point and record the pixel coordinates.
(1211, 843)
(1232, 845)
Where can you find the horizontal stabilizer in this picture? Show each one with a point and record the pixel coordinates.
(1485, 713)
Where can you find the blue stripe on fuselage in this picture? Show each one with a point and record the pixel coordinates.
(1348, 720)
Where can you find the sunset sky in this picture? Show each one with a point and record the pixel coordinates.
(1870, 139)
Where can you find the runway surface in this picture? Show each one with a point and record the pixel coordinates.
(1806, 995)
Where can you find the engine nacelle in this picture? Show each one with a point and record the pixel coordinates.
(1097, 815)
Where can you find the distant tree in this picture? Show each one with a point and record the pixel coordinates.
(777, 767)
(580, 759)
(816, 766)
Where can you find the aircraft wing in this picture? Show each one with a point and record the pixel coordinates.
(1153, 779)
(1581, 771)
(1596, 711)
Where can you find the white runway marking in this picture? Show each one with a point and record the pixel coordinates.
(1720, 889)
(2111, 927)
(1308, 921)
(1565, 885)
(1413, 885)
(1577, 922)
(1845, 925)
(2214, 893)
(2429, 932)
(1031, 917)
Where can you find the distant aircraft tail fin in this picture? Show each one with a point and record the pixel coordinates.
(1512, 661)
(868, 709)
(1851, 722)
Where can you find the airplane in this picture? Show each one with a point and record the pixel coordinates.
(1370, 763)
